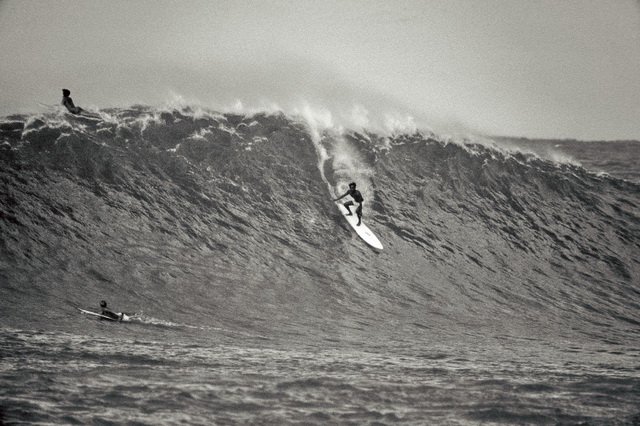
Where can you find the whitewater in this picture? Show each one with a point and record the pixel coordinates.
(507, 291)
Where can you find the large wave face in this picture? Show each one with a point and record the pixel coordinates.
(227, 220)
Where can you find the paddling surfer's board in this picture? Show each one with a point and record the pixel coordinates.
(85, 116)
(362, 230)
(123, 317)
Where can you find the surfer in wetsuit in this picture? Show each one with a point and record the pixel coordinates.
(108, 312)
(68, 102)
(357, 197)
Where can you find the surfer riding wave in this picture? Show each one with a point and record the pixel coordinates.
(357, 197)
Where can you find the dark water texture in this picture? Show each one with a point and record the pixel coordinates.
(507, 291)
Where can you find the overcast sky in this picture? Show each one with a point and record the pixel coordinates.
(565, 69)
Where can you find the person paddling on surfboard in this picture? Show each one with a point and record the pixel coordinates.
(68, 102)
(357, 197)
(108, 312)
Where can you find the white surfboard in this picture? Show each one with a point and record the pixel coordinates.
(362, 230)
(84, 116)
(123, 317)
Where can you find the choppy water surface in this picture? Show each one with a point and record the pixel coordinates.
(87, 380)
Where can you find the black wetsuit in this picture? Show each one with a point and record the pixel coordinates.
(109, 313)
(68, 103)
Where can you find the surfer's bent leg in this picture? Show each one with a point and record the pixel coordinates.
(359, 214)
(347, 204)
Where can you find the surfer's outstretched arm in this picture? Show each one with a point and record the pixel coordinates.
(342, 196)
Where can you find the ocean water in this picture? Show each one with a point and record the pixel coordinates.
(507, 291)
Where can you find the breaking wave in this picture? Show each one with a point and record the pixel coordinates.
(197, 217)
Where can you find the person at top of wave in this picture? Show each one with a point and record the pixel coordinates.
(108, 312)
(357, 197)
(68, 102)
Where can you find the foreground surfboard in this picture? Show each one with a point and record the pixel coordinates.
(123, 317)
(363, 230)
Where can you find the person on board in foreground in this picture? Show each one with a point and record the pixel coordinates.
(357, 197)
(108, 312)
